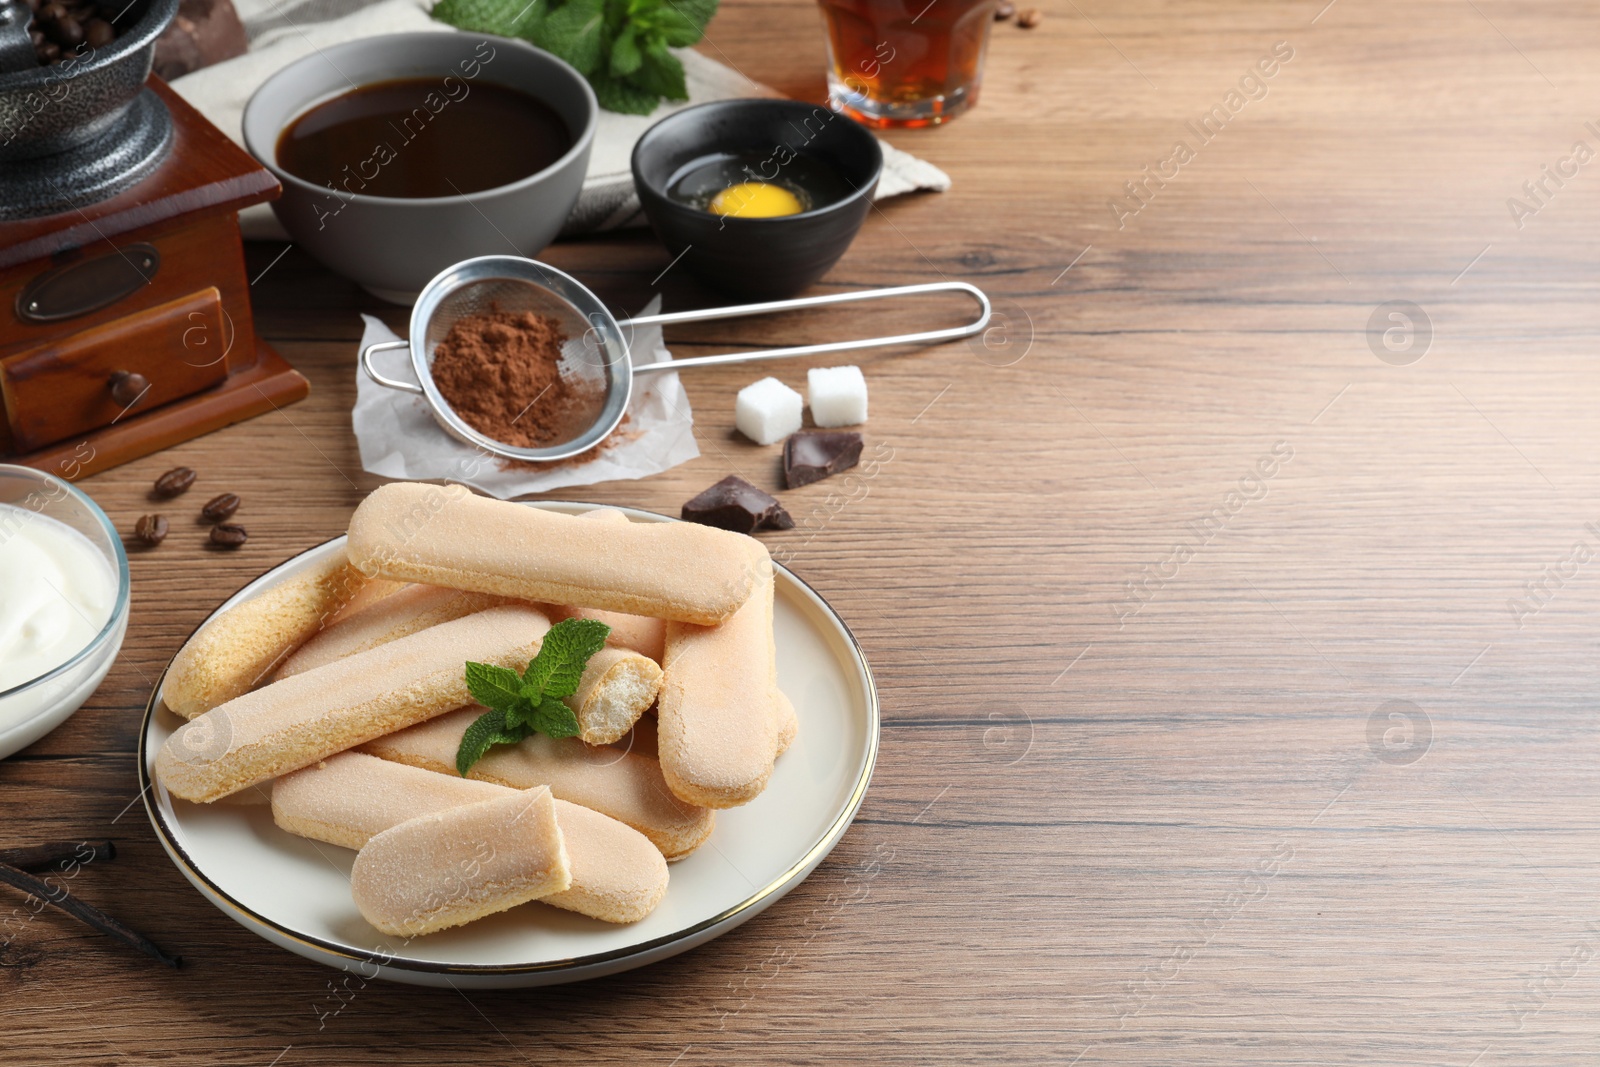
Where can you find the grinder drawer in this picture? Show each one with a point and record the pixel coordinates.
(125, 367)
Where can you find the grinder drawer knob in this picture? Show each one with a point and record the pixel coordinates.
(127, 387)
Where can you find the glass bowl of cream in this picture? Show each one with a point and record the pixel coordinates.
(63, 602)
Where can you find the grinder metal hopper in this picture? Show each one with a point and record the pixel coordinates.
(85, 128)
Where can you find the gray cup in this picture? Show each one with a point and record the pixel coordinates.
(392, 246)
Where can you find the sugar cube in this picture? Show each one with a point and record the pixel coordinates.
(838, 396)
(767, 411)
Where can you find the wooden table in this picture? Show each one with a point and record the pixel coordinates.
(1238, 671)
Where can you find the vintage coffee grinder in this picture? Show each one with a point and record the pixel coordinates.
(125, 322)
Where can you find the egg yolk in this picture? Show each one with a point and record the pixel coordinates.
(755, 200)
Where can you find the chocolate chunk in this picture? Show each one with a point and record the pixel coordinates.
(811, 457)
(734, 504)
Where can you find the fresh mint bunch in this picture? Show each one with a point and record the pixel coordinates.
(520, 704)
(621, 46)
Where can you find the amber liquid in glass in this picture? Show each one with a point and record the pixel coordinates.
(906, 62)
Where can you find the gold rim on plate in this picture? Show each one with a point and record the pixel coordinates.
(248, 917)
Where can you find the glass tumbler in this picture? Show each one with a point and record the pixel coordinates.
(906, 62)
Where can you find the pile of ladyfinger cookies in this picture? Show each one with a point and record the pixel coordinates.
(341, 692)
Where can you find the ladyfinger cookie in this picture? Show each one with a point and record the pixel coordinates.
(618, 686)
(716, 724)
(641, 740)
(617, 875)
(627, 787)
(289, 724)
(640, 633)
(648, 637)
(375, 590)
(445, 535)
(788, 723)
(238, 649)
(410, 609)
(452, 867)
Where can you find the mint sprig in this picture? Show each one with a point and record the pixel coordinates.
(621, 46)
(522, 704)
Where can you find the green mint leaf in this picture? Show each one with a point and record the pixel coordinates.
(575, 31)
(617, 95)
(508, 18)
(554, 718)
(486, 730)
(681, 23)
(519, 715)
(661, 73)
(625, 54)
(566, 649)
(493, 687)
(696, 12)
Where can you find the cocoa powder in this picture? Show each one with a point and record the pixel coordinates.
(501, 373)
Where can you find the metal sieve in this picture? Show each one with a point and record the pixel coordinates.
(597, 349)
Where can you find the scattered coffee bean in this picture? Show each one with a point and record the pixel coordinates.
(1030, 18)
(1004, 11)
(175, 481)
(59, 29)
(220, 507)
(151, 529)
(68, 32)
(228, 535)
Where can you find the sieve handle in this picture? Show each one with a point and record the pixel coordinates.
(772, 306)
(388, 383)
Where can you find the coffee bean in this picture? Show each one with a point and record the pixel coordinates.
(1004, 11)
(100, 33)
(69, 32)
(175, 481)
(228, 535)
(52, 11)
(151, 529)
(1030, 18)
(220, 507)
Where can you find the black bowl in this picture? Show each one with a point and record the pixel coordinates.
(768, 258)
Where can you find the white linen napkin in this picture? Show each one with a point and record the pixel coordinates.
(281, 32)
(400, 439)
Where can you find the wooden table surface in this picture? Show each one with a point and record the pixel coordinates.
(1237, 659)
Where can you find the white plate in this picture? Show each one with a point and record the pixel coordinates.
(296, 893)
